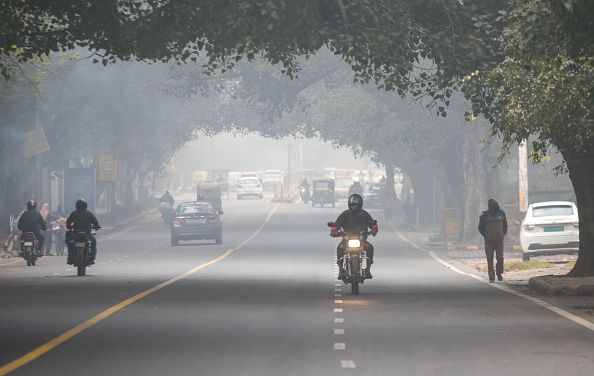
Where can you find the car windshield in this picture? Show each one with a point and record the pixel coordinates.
(248, 181)
(343, 183)
(549, 211)
(195, 208)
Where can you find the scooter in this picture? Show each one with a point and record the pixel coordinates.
(355, 260)
(29, 248)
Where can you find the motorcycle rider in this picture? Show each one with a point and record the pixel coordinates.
(167, 197)
(82, 220)
(166, 207)
(353, 221)
(305, 184)
(356, 188)
(32, 221)
(305, 194)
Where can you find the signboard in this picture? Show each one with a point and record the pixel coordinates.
(108, 167)
(35, 142)
(79, 183)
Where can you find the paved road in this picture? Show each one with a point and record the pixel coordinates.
(266, 302)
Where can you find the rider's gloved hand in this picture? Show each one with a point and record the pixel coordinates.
(374, 230)
(334, 232)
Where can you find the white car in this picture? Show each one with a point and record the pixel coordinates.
(272, 177)
(549, 228)
(249, 187)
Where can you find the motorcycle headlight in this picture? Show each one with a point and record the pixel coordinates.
(354, 243)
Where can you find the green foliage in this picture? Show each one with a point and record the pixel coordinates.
(527, 265)
(544, 86)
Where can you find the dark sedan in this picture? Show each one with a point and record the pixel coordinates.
(373, 196)
(196, 220)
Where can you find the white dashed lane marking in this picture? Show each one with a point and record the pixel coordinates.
(339, 346)
(347, 364)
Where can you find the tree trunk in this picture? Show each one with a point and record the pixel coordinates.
(581, 173)
(474, 178)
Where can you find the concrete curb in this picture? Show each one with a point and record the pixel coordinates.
(562, 285)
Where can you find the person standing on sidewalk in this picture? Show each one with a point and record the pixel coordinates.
(493, 227)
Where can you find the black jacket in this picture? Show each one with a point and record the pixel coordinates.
(493, 225)
(353, 223)
(82, 220)
(31, 221)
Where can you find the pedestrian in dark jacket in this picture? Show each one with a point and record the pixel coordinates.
(32, 221)
(493, 228)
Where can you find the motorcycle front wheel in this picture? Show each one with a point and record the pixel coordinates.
(355, 266)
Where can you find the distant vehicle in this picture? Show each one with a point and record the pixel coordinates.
(249, 187)
(210, 192)
(323, 192)
(549, 228)
(196, 220)
(199, 177)
(373, 195)
(272, 177)
(251, 174)
(234, 177)
(360, 176)
(341, 188)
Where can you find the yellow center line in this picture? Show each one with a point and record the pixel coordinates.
(110, 311)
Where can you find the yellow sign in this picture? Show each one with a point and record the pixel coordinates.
(108, 167)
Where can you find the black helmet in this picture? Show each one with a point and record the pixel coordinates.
(31, 205)
(81, 204)
(355, 203)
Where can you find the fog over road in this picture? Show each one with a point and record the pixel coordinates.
(266, 302)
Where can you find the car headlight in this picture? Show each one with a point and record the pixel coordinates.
(354, 243)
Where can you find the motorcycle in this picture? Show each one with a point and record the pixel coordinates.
(81, 251)
(304, 192)
(29, 248)
(355, 261)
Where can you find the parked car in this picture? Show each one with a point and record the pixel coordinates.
(249, 187)
(341, 188)
(196, 220)
(549, 228)
(272, 177)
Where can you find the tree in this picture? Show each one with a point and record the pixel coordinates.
(544, 88)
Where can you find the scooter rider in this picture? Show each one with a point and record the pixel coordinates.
(354, 220)
(32, 221)
(82, 220)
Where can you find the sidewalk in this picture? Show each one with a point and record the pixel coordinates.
(535, 280)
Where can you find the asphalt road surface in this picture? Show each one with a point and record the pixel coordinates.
(267, 302)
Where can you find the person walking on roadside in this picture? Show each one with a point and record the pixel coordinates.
(493, 228)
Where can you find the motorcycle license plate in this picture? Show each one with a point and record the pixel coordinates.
(79, 244)
(28, 244)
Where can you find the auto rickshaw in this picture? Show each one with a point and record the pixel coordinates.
(210, 192)
(323, 192)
